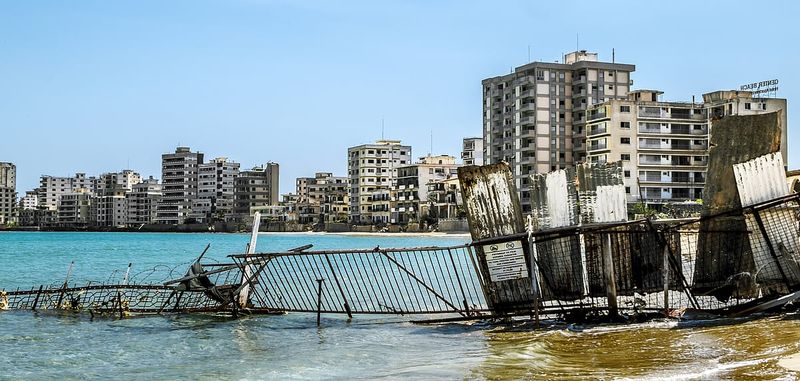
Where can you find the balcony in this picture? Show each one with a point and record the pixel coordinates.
(597, 130)
(594, 146)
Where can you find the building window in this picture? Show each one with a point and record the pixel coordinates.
(611, 87)
(625, 140)
(627, 174)
(628, 190)
(626, 157)
(624, 108)
(624, 124)
(747, 106)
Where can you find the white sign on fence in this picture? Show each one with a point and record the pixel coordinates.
(506, 261)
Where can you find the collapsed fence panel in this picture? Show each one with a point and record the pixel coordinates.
(394, 281)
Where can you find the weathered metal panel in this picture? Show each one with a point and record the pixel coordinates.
(611, 204)
(491, 201)
(590, 176)
(554, 199)
(493, 211)
(735, 139)
(761, 179)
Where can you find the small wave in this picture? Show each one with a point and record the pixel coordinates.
(704, 374)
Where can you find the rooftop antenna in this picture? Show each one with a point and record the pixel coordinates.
(613, 56)
(382, 127)
(430, 152)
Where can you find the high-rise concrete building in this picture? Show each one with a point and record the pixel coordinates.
(74, 208)
(472, 151)
(8, 192)
(215, 184)
(142, 202)
(51, 188)
(322, 198)
(411, 198)
(179, 185)
(534, 118)
(663, 146)
(255, 189)
(30, 201)
(124, 179)
(372, 169)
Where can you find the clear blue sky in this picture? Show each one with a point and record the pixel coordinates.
(91, 86)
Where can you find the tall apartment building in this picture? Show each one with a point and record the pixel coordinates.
(179, 185)
(74, 208)
(535, 117)
(142, 202)
(8, 192)
(51, 188)
(322, 198)
(30, 201)
(663, 146)
(411, 198)
(372, 171)
(255, 189)
(472, 151)
(215, 186)
(124, 179)
(109, 208)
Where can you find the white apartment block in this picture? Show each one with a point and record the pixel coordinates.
(215, 188)
(322, 198)
(472, 151)
(142, 202)
(663, 146)
(109, 209)
(411, 198)
(124, 179)
(51, 188)
(534, 118)
(372, 172)
(30, 201)
(255, 189)
(8, 192)
(74, 208)
(179, 185)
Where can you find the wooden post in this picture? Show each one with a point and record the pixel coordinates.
(666, 268)
(610, 278)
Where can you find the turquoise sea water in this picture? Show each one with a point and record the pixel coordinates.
(46, 346)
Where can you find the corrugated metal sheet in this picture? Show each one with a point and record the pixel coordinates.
(590, 176)
(611, 205)
(553, 199)
(761, 179)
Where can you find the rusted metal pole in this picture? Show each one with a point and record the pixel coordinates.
(36, 301)
(319, 300)
(611, 281)
(119, 305)
(338, 285)
(665, 269)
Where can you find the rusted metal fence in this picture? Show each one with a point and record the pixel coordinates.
(378, 281)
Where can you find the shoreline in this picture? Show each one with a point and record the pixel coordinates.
(373, 234)
(456, 234)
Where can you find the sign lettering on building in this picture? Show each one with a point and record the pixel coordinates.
(763, 87)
